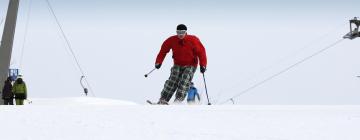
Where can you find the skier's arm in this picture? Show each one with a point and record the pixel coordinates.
(165, 48)
(201, 53)
(25, 91)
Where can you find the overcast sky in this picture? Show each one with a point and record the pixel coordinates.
(117, 41)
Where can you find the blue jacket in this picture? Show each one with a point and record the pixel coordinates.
(192, 93)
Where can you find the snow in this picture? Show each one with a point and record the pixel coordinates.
(80, 101)
(84, 118)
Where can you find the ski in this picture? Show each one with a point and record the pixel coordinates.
(152, 103)
(148, 101)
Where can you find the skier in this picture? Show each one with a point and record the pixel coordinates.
(19, 89)
(187, 51)
(192, 93)
(7, 93)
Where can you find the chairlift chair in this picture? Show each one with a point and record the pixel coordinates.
(83, 86)
(354, 32)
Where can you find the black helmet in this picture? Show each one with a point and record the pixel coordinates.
(181, 27)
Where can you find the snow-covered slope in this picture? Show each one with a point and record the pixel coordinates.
(106, 119)
(78, 101)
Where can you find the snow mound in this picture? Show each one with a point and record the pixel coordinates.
(87, 118)
(77, 101)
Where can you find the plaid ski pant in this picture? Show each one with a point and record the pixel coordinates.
(179, 81)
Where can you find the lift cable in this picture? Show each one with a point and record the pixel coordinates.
(25, 34)
(69, 46)
(283, 71)
(291, 55)
(1, 21)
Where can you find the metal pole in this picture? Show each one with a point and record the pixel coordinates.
(7, 40)
(207, 96)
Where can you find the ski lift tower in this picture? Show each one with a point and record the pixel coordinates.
(354, 32)
(7, 41)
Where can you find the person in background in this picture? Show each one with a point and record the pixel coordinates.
(192, 93)
(7, 94)
(19, 89)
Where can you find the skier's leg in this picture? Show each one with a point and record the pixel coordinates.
(171, 84)
(6, 101)
(190, 102)
(185, 83)
(17, 101)
(11, 101)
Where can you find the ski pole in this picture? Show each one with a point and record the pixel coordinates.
(207, 96)
(146, 75)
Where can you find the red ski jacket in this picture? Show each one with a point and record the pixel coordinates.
(186, 52)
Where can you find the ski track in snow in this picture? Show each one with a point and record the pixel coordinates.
(104, 119)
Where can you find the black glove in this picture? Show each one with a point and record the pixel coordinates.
(157, 66)
(202, 69)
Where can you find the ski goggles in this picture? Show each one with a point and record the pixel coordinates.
(180, 32)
